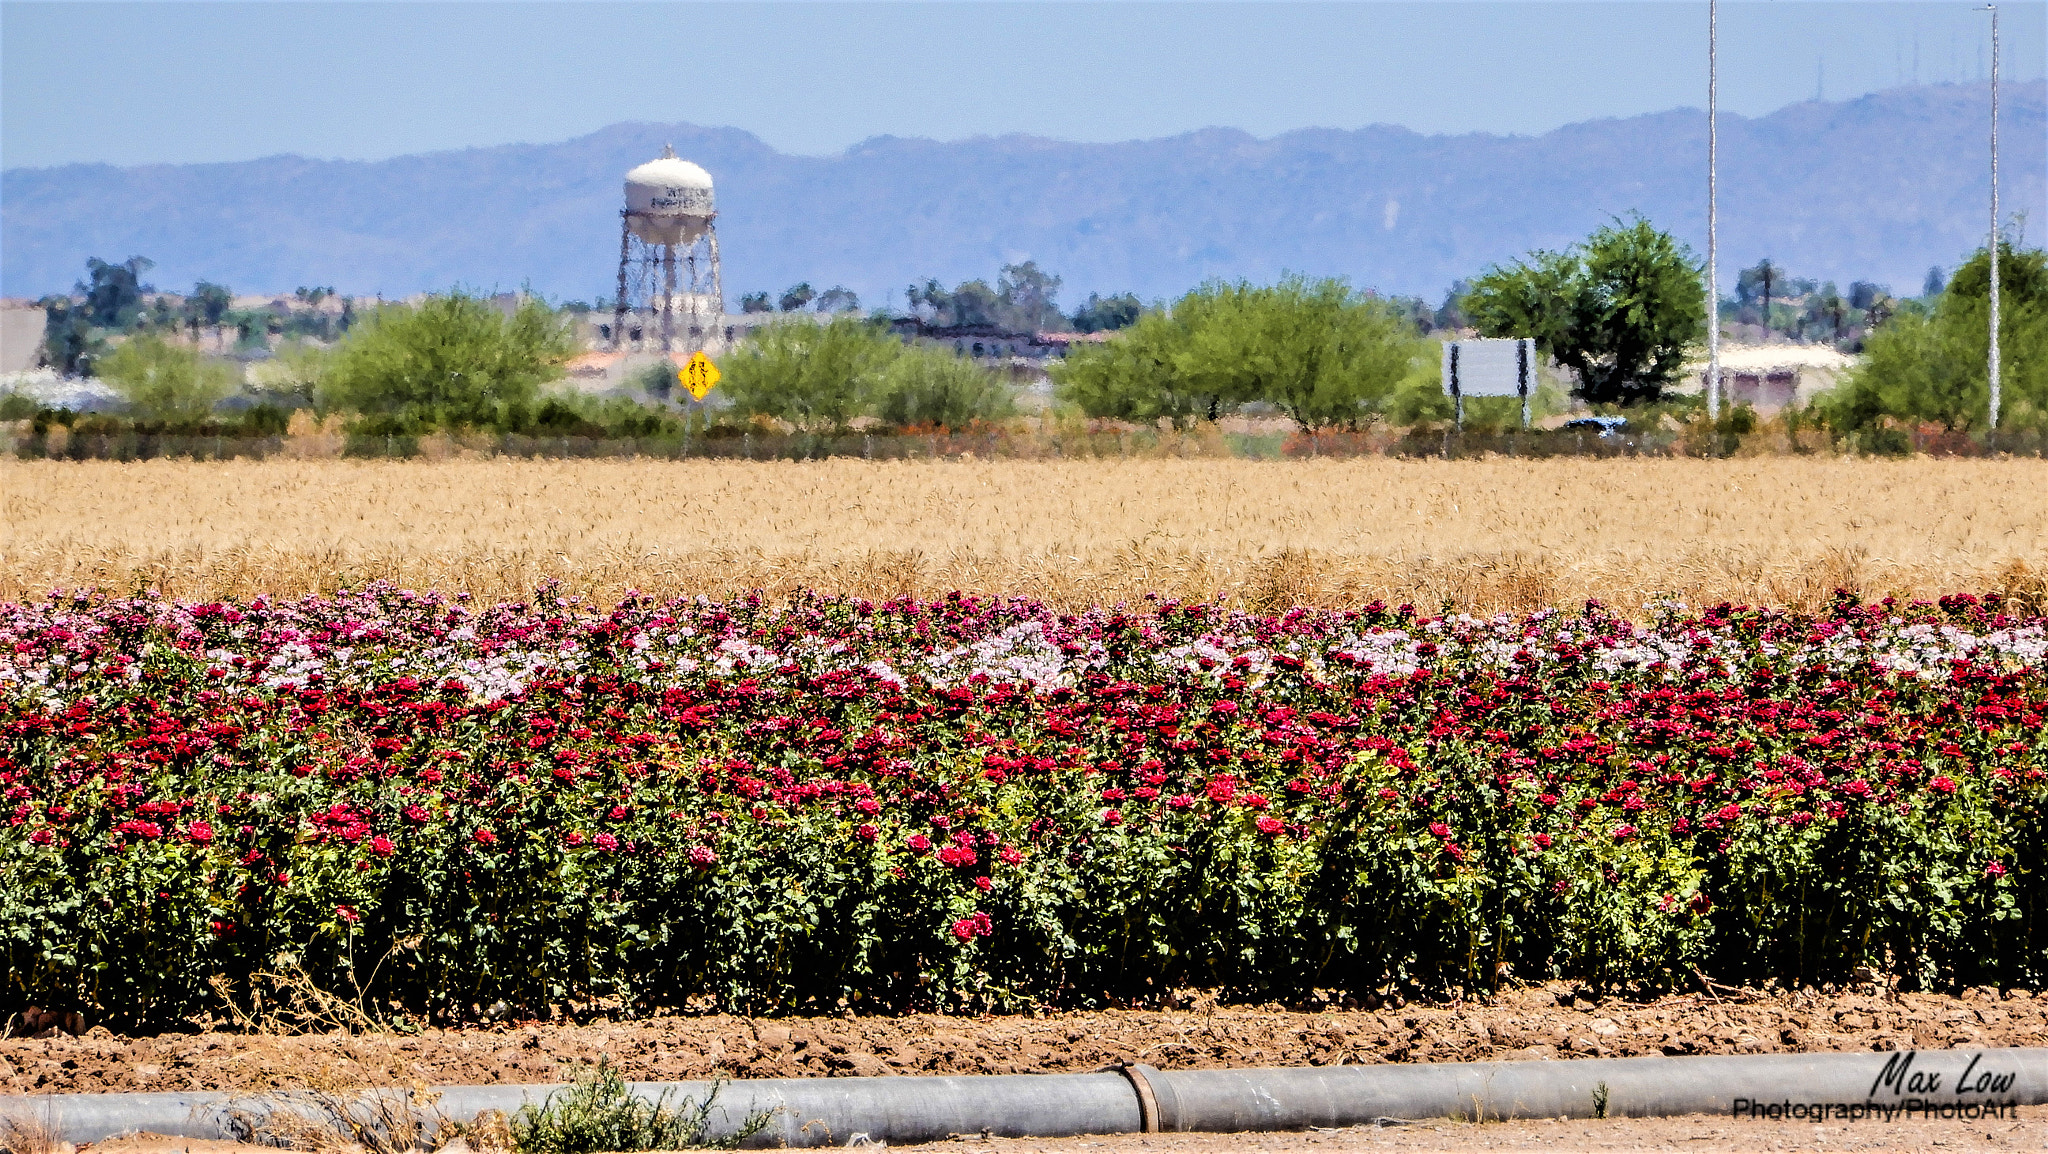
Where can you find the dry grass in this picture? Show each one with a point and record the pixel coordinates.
(24, 1131)
(1485, 535)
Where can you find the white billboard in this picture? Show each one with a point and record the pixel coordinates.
(1490, 367)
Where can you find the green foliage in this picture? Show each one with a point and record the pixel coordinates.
(453, 362)
(1622, 310)
(18, 406)
(167, 383)
(796, 297)
(599, 1114)
(1024, 300)
(1133, 378)
(113, 292)
(208, 303)
(934, 387)
(837, 299)
(658, 380)
(291, 377)
(573, 414)
(1321, 353)
(69, 343)
(833, 803)
(1106, 314)
(817, 376)
(1928, 365)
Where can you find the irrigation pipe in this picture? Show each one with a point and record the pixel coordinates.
(1134, 1099)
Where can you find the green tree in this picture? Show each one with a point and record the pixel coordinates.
(837, 299)
(172, 384)
(928, 386)
(970, 303)
(796, 297)
(1132, 376)
(1320, 352)
(1929, 365)
(70, 345)
(1107, 314)
(207, 304)
(815, 375)
(1622, 309)
(452, 362)
(113, 292)
(1026, 299)
(756, 303)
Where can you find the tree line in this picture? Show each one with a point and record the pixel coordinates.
(113, 302)
(1621, 313)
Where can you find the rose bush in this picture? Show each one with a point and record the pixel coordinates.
(983, 804)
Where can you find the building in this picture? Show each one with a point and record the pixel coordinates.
(22, 328)
(990, 343)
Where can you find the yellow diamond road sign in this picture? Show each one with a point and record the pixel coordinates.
(700, 376)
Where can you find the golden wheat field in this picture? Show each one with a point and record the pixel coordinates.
(1485, 535)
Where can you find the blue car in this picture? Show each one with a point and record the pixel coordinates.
(1605, 426)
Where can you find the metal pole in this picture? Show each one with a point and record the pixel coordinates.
(1525, 360)
(717, 279)
(619, 309)
(1992, 367)
(1713, 209)
(668, 298)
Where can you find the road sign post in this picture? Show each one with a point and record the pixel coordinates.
(699, 375)
(1490, 367)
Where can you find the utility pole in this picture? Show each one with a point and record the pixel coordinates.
(1993, 365)
(1713, 223)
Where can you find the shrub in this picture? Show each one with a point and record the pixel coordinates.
(936, 387)
(167, 383)
(599, 1114)
(452, 362)
(1322, 354)
(1931, 366)
(816, 375)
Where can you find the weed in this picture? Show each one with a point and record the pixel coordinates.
(25, 1133)
(600, 1113)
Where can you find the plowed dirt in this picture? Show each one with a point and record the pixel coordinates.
(1535, 1022)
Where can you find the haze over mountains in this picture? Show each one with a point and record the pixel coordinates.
(1877, 188)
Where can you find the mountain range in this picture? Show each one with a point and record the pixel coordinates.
(1880, 188)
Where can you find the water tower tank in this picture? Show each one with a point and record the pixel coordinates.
(668, 200)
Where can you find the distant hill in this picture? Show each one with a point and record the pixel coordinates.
(1880, 187)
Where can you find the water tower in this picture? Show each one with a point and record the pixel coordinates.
(670, 295)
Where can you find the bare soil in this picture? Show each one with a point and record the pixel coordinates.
(1533, 1023)
(1696, 1134)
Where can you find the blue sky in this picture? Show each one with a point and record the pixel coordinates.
(131, 83)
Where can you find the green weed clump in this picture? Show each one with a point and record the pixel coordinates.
(600, 1114)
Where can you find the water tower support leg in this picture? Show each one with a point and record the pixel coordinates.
(668, 298)
(619, 307)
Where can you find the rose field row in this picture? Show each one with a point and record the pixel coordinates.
(426, 806)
